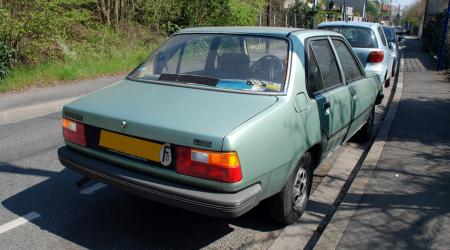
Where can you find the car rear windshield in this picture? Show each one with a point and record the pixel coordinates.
(390, 34)
(225, 61)
(358, 37)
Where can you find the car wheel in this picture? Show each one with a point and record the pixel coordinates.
(364, 134)
(393, 69)
(290, 203)
(387, 83)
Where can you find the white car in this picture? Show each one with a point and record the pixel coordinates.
(369, 43)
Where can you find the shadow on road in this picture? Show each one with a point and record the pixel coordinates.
(114, 219)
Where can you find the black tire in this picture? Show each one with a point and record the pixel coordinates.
(393, 69)
(285, 207)
(387, 83)
(365, 133)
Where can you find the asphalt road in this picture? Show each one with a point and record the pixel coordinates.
(33, 181)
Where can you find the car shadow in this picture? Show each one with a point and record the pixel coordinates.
(110, 218)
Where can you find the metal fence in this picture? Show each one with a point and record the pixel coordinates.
(433, 33)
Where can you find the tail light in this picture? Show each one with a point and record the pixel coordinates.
(375, 57)
(211, 165)
(74, 132)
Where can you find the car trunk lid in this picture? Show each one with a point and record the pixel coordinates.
(168, 114)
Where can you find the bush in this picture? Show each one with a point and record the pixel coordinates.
(7, 59)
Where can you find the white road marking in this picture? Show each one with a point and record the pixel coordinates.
(19, 221)
(93, 188)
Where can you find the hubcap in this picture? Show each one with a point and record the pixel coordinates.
(299, 189)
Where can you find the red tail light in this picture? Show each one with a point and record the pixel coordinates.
(211, 165)
(74, 132)
(375, 57)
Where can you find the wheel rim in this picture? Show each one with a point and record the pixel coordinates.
(299, 190)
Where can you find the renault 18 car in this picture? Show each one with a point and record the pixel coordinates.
(218, 119)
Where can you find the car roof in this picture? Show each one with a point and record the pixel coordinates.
(261, 30)
(350, 23)
(257, 30)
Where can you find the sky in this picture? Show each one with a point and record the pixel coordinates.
(403, 3)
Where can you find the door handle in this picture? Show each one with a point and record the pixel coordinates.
(326, 108)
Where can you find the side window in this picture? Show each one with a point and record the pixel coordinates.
(327, 63)
(351, 69)
(315, 83)
(383, 37)
(195, 54)
(229, 45)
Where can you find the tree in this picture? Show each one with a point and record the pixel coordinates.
(372, 12)
(414, 13)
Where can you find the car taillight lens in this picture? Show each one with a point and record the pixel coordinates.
(211, 165)
(74, 132)
(375, 57)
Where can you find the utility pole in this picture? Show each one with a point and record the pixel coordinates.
(444, 38)
(390, 10)
(364, 15)
(314, 13)
(345, 11)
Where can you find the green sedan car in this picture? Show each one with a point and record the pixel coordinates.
(218, 119)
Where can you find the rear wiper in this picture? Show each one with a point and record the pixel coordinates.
(204, 80)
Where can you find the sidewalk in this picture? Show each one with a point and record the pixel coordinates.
(406, 202)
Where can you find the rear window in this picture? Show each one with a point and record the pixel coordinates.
(225, 61)
(358, 37)
(390, 34)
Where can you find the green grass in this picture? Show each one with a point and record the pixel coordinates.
(88, 66)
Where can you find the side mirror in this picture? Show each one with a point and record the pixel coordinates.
(391, 45)
(401, 39)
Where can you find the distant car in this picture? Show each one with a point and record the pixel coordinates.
(399, 31)
(392, 39)
(369, 42)
(218, 119)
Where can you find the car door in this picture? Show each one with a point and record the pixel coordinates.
(361, 90)
(332, 96)
(389, 58)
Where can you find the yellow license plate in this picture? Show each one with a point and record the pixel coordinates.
(130, 145)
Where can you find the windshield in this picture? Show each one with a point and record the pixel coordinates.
(390, 34)
(358, 37)
(238, 62)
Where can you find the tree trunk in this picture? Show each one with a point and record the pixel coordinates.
(122, 9)
(116, 11)
(105, 8)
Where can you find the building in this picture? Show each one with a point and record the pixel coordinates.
(436, 6)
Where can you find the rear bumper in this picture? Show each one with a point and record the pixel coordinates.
(227, 205)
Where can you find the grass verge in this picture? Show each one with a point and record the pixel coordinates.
(74, 69)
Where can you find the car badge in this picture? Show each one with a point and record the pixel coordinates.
(165, 155)
(124, 124)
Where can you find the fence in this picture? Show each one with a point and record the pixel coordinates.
(432, 37)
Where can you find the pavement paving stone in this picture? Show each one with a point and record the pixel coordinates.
(406, 202)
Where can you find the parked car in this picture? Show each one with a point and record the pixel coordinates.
(369, 42)
(392, 39)
(399, 31)
(218, 119)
